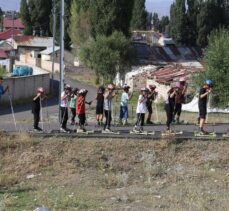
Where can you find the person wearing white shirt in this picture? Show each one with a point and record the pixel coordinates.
(141, 110)
(124, 105)
(65, 97)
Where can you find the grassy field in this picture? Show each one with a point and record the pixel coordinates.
(92, 174)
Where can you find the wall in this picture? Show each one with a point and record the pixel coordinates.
(25, 87)
(47, 65)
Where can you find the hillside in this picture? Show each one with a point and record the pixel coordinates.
(67, 174)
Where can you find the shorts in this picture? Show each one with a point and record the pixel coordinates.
(202, 112)
(123, 112)
(149, 107)
(99, 110)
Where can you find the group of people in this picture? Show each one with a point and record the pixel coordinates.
(74, 99)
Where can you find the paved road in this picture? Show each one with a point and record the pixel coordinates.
(24, 118)
(23, 115)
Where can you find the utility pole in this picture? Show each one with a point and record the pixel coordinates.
(12, 52)
(61, 85)
(53, 47)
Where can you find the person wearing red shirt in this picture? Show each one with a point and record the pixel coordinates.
(81, 109)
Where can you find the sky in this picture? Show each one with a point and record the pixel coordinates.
(159, 6)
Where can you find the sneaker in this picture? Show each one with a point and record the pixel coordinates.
(63, 130)
(203, 132)
(149, 122)
(81, 130)
(37, 129)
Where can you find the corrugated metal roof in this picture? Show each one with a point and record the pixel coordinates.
(49, 50)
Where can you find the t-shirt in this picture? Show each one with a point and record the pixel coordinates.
(72, 103)
(151, 97)
(124, 99)
(64, 102)
(80, 105)
(203, 101)
(141, 107)
(107, 102)
(36, 105)
(179, 97)
(100, 100)
(170, 100)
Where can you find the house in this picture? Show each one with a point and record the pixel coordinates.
(9, 33)
(28, 48)
(10, 23)
(3, 54)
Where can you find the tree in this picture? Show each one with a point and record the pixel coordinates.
(192, 12)
(40, 12)
(25, 17)
(156, 22)
(107, 16)
(67, 16)
(79, 29)
(164, 23)
(1, 19)
(178, 22)
(107, 55)
(139, 17)
(217, 64)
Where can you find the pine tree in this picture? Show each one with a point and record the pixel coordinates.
(178, 23)
(79, 29)
(139, 16)
(1, 19)
(192, 12)
(156, 22)
(40, 12)
(25, 17)
(107, 16)
(164, 23)
(67, 16)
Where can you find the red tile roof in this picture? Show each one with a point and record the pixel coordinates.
(8, 23)
(172, 73)
(2, 54)
(8, 34)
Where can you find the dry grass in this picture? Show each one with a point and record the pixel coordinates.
(112, 174)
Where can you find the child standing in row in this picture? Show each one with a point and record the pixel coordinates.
(124, 104)
(150, 98)
(72, 105)
(141, 110)
(203, 97)
(108, 96)
(100, 105)
(36, 107)
(170, 105)
(65, 97)
(81, 109)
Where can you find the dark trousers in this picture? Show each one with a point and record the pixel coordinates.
(169, 113)
(178, 108)
(64, 117)
(36, 115)
(108, 119)
(140, 119)
(73, 110)
(82, 119)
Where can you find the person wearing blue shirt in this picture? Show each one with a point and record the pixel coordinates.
(2, 90)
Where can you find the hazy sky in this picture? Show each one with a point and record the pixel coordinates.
(159, 6)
